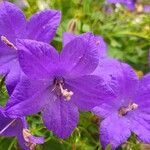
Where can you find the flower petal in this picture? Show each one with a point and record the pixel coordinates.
(140, 126)
(12, 21)
(89, 91)
(98, 41)
(143, 94)
(22, 142)
(29, 97)
(37, 59)
(120, 77)
(12, 26)
(79, 57)
(61, 117)
(42, 26)
(114, 131)
(105, 109)
(67, 37)
(15, 125)
(13, 76)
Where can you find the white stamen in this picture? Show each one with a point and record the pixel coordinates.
(7, 42)
(7, 126)
(67, 94)
(125, 110)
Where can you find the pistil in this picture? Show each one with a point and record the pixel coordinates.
(7, 42)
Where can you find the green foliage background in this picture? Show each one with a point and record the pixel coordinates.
(128, 37)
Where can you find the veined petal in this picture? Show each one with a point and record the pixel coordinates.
(13, 129)
(61, 117)
(114, 131)
(37, 59)
(42, 26)
(13, 76)
(139, 124)
(143, 94)
(105, 109)
(79, 57)
(29, 97)
(120, 77)
(97, 40)
(12, 21)
(89, 91)
(67, 37)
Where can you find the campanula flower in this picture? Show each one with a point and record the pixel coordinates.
(18, 127)
(128, 112)
(58, 84)
(13, 24)
(130, 4)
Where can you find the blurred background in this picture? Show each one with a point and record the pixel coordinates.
(127, 34)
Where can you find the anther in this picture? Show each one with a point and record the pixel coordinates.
(7, 42)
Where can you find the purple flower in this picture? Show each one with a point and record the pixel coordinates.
(130, 4)
(58, 84)
(146, 8)
(129, 111)
(41, 27)
(18, 127)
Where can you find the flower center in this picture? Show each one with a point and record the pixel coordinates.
(7, 42)
(124, 110)
(59, 89)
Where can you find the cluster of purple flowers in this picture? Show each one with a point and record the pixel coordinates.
(58, 85)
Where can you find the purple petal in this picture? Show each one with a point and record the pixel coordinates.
(61, 117)
(42, 26)
(114, 131)
(15, 125)
(102, 46)
(79, 57)
(140, 126)
(89, 91)
(119, 76)
(37, 59)
(68, 37)
(97, 40)
(38, 140)
(12, 21)
(147, 8)
(130, 4)
(7, 56)
(29, 97)
(22, 142)
(143, 94)
(13, 77)
(105, 110)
